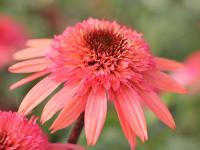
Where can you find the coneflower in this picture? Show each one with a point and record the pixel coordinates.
(19, 133)
(12, 37)
(96, 61)
(190, 74)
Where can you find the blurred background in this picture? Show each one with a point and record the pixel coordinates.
(171, 27)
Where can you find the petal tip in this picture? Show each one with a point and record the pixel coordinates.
(173, 126)
(11, 87)
(52, 130)
(42, 121)
(10, 69)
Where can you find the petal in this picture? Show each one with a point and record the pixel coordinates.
(30, 53)
(156, 105)
(28, 79)
(162, 81)
(57, 102)
(38, 42)
(129, 102)
(73, 108)
(37, 94)
(58, 146)
(167, 64)
(95, 114)
(130, 135)
(28, 66)
(184, 77)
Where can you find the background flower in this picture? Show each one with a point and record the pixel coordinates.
(19, 133)
(12, 37)
(190, 74)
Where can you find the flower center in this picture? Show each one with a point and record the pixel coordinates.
(106, 48)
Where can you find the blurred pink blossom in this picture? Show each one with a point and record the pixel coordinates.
(12, 36)
(190, 74)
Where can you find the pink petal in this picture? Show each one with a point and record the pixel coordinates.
(167, 64)
(130, 135)
(28, 79)
(95, 114)
(28, 66)
(73, 108)
(37, 94)
(30, 53)
(162, 81)
(38, 42)
(65, 147)
(57, 102)
(129, 102)
(158, 107)
(183, 77)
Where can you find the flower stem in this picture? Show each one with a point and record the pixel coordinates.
(76, 131)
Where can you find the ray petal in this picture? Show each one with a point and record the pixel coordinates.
(162, 81)
(71, 111)
(129, 102)
(57, 102)
(156, 105)
(28, 79)
(33, 52)
(28, 66)
(95, 114)
(167, 64)
(130, 135)
(38, 42)
(37, 94)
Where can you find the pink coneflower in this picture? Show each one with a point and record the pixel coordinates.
(12, 36)
(19, 133)
(190, 74)
(96, 61)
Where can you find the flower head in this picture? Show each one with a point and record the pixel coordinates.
(12, 36)
(96, 61)
(19, 133)
(190, 74)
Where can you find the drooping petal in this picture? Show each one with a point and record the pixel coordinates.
(65, 147)
(73, 108)
(28, 66)
(28, 79)
(162, 81)
(129, 102)
(38, 42)
(156, 105)
(32, 52)
(57, 102)
(95, 114)
(37, 94)
(167, 64)
(130, 135)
